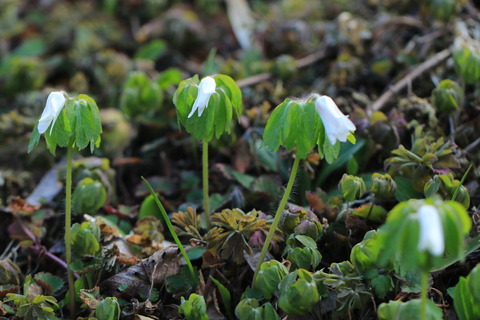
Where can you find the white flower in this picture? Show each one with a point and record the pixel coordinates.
(205, 90)
(431, 230)
(55, 103)
(337, 125)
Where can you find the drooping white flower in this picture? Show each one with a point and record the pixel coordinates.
(55, 103)
(431, 230)
(205, 90)
(337, 125)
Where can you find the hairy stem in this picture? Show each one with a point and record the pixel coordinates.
(424, 296)
(206, 204)
(68, 237)
(276, 219)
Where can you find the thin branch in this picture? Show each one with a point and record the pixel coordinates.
(405, 81)
(301, 63)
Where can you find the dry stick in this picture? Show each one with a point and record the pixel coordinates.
(421, 68)
(301, 63)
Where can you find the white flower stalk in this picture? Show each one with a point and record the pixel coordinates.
(431, 231)
(205, 90)
(337, 125)
(55, 103)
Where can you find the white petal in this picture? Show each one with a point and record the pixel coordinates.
(205, 90)
(337, 125)
(55, 103)
(431, 230)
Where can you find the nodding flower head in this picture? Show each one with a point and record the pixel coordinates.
(337, 125)
(431, 230)
(205, 90)
(55, 103)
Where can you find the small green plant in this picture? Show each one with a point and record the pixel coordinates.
(466, 296)
(229, 238)
(33, 306)
(448, 96)
(303, 124)
(206, 108)
(352, 187)
(140, 96)
(418, 234)
(298, 292)
(194, 308)
(269, 277)
(74, 123)
(250, 309)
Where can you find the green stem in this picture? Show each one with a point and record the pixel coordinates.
(172, 231)
(68, 237)
(206, 204)
(276, 219)
(424, 296)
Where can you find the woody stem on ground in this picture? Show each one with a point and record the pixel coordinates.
(68, 237)
(206, 204)
(276, 219)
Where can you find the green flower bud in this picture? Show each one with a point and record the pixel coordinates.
(85, 239)
(140, 95)
(249, 309)
(309, 227)
(269, 276)
(89, 196)
(352, 187)
(298, 293)
(305, 258)
(289, 220)
(467, 62)
(446, 186)
(194, 308)
(284, 67)
(447, 96)
(383, 186)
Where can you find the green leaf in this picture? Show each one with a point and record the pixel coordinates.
(50, 283)
(108, 309)
(269, 277)
(405, 190)
(465, 305)
(232, 90)
(88, 123)
(382, 284)
(371, 212)
(34, 139)
(152, 50)
(226, 297)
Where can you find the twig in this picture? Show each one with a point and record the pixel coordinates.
(471, 146)
(301, 63)
(421, 68)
